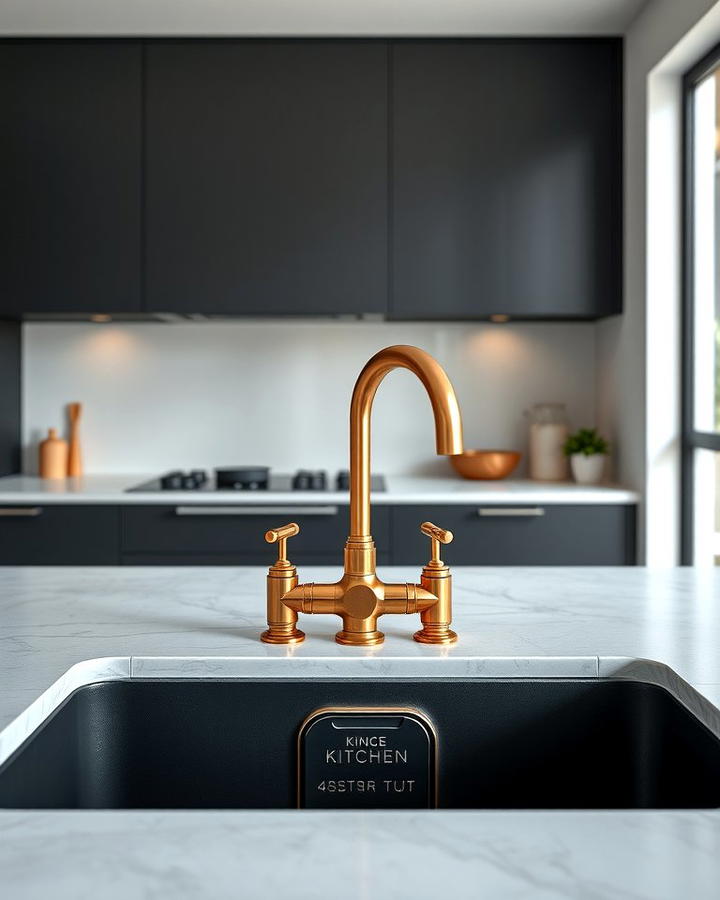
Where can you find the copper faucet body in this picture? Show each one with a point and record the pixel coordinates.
(360, 597)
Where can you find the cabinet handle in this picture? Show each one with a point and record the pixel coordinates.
(12, 512)
(256, 510)
(510, 511)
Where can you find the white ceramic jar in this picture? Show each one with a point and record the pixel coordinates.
(548, 433)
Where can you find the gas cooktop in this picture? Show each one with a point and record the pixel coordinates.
(255, 478)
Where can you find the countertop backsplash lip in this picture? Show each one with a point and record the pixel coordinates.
(401, 490)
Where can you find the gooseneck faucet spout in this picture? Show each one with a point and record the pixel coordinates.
(360, 597)
(448, 422)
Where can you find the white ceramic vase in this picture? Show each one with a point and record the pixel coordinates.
(587, 469)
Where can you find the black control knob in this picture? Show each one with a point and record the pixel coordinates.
(342, 482)
(302, 480)
(318, 481)
(200, 476)
(172, 481)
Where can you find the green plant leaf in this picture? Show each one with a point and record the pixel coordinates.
(586, 441)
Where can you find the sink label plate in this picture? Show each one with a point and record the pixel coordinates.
(367, 758)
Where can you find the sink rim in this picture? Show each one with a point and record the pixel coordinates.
(246, 668)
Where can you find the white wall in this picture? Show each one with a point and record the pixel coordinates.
(639, 353)
(202, 394)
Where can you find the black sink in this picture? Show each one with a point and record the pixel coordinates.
(514, 744)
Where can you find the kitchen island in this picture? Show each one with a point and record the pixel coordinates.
(630, 623)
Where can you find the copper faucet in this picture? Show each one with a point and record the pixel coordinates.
(360, 597)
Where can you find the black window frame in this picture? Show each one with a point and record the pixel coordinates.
(691, 439)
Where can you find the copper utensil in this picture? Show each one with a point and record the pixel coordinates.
(74, 455)
(486, 465)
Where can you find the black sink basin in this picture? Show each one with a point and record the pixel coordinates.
(233, 744)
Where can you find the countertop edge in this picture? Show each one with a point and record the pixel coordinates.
(102, 490)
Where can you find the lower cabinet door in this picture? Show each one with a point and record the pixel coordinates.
(520, 535)
(235, 534)
(52, 535)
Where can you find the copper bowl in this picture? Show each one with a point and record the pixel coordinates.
(485, 464)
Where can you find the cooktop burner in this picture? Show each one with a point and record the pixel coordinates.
(254, 478)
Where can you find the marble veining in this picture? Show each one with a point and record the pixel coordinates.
(390, 855)
(52, 618)
(324, 667)
(60, 627)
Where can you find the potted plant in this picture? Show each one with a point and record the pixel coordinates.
(587, 452)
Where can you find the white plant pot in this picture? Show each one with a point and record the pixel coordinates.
(587, 469)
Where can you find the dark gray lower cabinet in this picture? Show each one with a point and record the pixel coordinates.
(522, 535)
(235, 535)
(78, 535)
(194, 535)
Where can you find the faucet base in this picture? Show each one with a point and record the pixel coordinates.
(435, 634)
(279, 634)
(360, 638)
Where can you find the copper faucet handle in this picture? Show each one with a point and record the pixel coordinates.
(437, 536)
(280, 537)
(436, 533)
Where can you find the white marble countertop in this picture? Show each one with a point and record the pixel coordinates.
(542, 622)
(23, 489)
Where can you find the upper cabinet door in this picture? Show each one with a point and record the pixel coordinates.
(70, 181)
(266, 180)
(507, 179)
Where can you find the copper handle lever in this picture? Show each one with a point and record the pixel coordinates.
(435, 579)
(280, 537)
(437, 536)
(282, 577)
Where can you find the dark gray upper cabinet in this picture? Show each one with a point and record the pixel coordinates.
(266, 176)
(507, 178)
(428, 179)
(70, 176)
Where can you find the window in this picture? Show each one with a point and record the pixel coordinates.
(701, 350)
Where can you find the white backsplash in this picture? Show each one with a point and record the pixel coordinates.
(192, 395)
